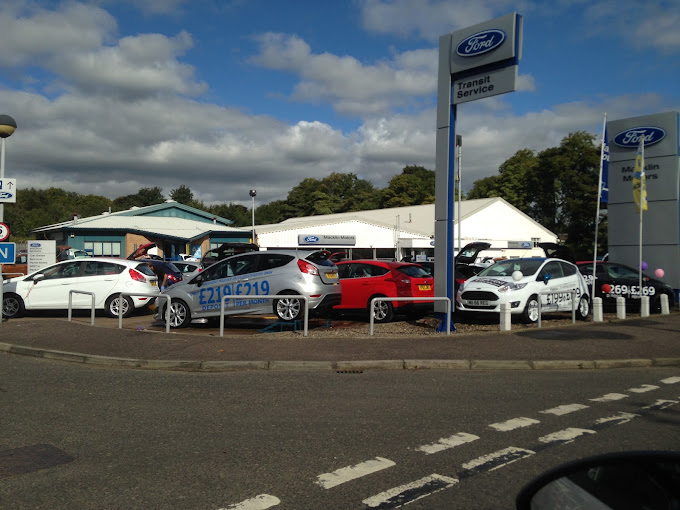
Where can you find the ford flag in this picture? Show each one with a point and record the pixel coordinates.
(604, 183)
(639, 181)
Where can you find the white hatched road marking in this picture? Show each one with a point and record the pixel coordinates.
(448, 442)
(342, 475)
(609, 397)
(410, 492)
(671, 380)
(497, 459)
(661, 404)
(622, 418)
(515, 423)
(261, 502)
(565, 436)
(565, 409)
(643, 389)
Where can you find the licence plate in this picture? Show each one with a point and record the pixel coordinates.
(424, 287)
(331, 275)
(154, 284)
(477, 302)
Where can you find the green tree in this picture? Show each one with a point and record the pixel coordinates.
(183, 195)
(144, 197)
(414, 186)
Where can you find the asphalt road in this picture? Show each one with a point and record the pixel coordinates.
(121, 438)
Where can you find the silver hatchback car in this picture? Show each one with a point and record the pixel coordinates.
(304, 272)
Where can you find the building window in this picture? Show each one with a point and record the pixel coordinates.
(102, 248)
(535, 241)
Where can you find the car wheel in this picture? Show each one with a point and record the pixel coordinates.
(288, 309)
(12, 306)
(180, 315)
(384, 311)
(112, 306)
(530, 313)
(583, 309)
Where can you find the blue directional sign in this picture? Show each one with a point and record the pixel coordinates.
(8, 190)
(7, 253)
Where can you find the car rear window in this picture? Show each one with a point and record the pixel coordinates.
(413, 271)
(320, 258)
(145, 269)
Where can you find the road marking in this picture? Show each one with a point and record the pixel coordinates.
(342, 475)
(448, 442)
(565, 436)
(643, 389)
(513, 424)
(260, 502)
(410, 492)
(621, 418)
(661, 404)
(609, 397)
(671, 380)
(495, 460)
(565, 409)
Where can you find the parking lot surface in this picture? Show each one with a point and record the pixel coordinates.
(642, 341)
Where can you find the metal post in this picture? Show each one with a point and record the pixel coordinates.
(459, 180)
(253, 194)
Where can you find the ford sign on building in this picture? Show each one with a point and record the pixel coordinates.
(326, 240)
(661, 222)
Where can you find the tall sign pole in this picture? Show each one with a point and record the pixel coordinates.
(475, 62)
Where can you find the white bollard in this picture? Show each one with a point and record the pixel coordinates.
(644, 306)
(620, 307)
(597, 310)
(505, 317)
(665, 307)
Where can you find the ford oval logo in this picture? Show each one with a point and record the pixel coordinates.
(311, 239)
(481, 42)
(631, 137)
(5, 195)
(35, 245)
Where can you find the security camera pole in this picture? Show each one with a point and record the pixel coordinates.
(7, 126)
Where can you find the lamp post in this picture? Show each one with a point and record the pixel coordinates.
(7, 126)
(253, 194)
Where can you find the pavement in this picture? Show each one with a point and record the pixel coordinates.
(143, 344)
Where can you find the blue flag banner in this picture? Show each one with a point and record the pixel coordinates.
(604, 183)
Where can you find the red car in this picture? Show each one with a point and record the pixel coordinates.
(362, 280)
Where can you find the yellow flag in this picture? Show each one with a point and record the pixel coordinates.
(639, 181)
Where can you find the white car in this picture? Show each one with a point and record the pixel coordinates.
(48, 288)
(521, 283)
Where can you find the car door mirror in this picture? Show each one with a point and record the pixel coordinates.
(546, 278)
(38, 278)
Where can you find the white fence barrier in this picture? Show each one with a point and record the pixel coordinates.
(267, 296)
(376, 299)
(142, 294)
(70, 303)
(597, 310)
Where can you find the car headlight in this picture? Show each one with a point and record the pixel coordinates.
(510, 287)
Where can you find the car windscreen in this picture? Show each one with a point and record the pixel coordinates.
(413, 271)
(507, 267)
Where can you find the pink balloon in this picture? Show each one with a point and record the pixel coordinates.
(644, 265)
(659, 273)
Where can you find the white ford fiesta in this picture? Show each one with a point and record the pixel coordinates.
(49, 287)
(521, 283)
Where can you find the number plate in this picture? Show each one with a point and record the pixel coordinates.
(331, 275)
(154, 283)
(424, 287)
(477, 302)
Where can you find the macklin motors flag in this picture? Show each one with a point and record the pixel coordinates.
(604, 183)
(639, 181)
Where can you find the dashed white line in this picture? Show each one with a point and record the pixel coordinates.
(448, 442)
(621, 418)
(565, 409)
(410, 492)
(643, 389)
(671, 380)
(565, 436)
(609, 397)
(515, 423)
(260, 502)
(661, 404)
(342, 475)
(497, 459)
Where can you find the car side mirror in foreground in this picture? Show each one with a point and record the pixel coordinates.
(38, 277)
(649, 480)
(546, 278)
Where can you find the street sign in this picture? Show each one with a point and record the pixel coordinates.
(7, 253)
(4, 231)
(8, 190)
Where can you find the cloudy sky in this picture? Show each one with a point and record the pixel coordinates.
(224, 96)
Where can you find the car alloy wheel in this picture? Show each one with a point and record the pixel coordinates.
(288, 309)
(530, 314)
(383, 312)
(112, 306)
(180, 317)
(583, 308)
(12, 306)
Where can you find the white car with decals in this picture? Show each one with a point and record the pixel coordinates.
(521, 283)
